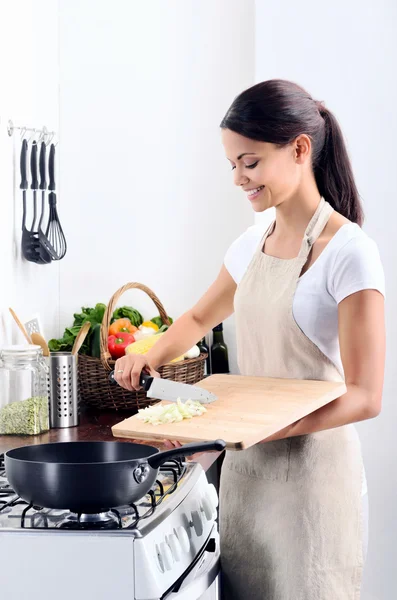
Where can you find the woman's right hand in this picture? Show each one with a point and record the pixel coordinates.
(128, 369)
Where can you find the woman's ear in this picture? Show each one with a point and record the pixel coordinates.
(302, 149)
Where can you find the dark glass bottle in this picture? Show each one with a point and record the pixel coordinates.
(205, 350)
(219, 353)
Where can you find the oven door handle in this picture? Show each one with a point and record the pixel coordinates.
(200, 579)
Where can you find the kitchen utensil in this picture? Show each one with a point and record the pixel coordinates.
(43, 181)
(30, 244)
(34, 185)
(165, 389)
(79, 341)
(33, 325)
(21, 327)
(40, 341)
(54, 231)
(248, 410)
(47, 252)
(63, 392)
(45, 243)
(90, 477)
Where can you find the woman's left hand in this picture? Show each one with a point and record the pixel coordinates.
(174, 444)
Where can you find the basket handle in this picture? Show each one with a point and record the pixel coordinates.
(105, 355)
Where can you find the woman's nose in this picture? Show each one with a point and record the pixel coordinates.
(239, 178)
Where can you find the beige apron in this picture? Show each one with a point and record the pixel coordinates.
(290, 510)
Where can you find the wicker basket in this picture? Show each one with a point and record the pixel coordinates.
(94, 385)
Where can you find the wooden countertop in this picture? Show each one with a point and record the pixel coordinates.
(94, 426)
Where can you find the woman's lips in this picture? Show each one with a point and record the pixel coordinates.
(254, 193)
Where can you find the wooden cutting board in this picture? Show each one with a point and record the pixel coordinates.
(248, 410)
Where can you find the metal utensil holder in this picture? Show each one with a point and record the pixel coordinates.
(62, 390)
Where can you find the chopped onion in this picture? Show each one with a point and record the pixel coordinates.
(172, 413)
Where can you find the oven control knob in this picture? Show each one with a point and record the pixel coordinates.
(166, 556)
(175, 546)
(197, 522)
(208, 508)
(183, 538)
(212, 495)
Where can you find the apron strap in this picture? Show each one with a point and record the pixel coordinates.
(313, 230)
(315, 227)
(268, 231)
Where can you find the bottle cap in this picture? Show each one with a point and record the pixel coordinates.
(218, 327)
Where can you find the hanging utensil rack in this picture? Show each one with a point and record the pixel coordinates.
(52, 241)
(44, 135)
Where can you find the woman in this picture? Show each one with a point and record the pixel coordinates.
(309, 291)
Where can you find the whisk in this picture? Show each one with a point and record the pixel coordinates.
(54, 232)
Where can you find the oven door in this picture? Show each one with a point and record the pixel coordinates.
(202, 582)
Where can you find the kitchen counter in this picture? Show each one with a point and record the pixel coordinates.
(94, 426)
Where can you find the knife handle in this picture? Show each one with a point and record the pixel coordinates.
(145, 380)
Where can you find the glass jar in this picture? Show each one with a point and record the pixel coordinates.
(23, 391)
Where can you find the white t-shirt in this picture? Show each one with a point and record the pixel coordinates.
(349, 263)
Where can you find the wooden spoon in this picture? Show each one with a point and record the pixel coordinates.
(78, 342)
(40, 341)
(21, 327)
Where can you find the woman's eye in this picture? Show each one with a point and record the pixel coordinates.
(233, 167)
(253, 165)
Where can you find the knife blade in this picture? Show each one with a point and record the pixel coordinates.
(166, 389)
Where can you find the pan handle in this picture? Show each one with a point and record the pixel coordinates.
(156, 460)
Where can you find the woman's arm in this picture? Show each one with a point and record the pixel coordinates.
(362, 347)
(212, 308)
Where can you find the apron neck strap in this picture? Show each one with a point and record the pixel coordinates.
(315, 227)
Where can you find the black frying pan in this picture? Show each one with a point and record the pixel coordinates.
(89, 477)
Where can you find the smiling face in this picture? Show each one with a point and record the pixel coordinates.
(269, 174)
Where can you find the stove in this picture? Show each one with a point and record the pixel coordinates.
(166, 545)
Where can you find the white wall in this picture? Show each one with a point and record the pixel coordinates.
(148, 193)
(29, 96)
(344, 53)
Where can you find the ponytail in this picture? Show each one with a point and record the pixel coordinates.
(333, 172)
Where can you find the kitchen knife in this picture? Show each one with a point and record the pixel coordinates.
(165, 389)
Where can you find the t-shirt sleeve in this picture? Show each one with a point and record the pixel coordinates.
(241, 252)
(357, 267)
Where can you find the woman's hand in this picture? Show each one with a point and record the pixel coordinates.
(174, 444)
(128, 369)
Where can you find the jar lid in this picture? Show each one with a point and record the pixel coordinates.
(21, 350)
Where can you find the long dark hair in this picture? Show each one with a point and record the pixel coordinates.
(278, 111)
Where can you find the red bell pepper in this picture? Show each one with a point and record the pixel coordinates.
(118, 343)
